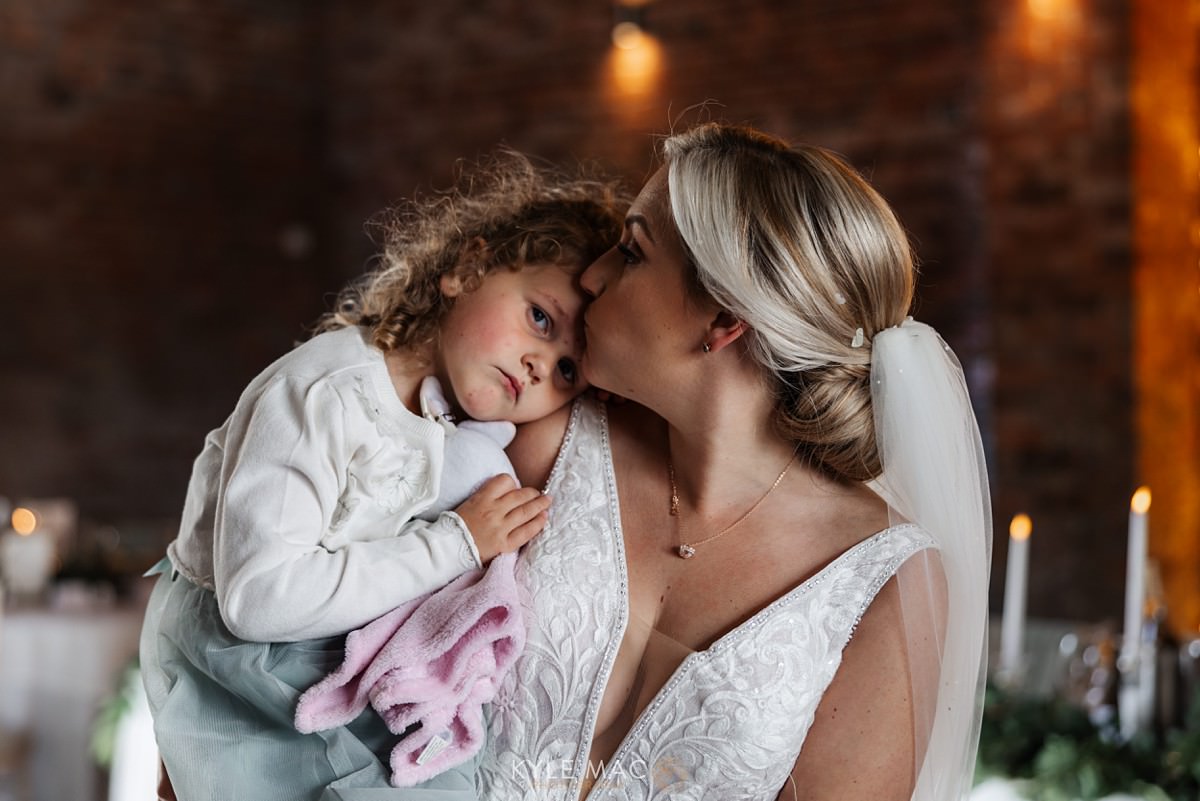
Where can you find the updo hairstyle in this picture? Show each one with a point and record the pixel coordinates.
(795, 243)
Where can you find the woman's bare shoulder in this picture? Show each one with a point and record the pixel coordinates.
(870, 731)
(840, 514)
(535, 446)
(861, 743)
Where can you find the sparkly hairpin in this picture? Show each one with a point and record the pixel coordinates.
(858, 340)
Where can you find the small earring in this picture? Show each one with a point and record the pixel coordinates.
(706, 347)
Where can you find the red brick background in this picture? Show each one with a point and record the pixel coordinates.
(184, 183)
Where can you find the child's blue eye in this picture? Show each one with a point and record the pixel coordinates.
(567, 368)
(540, 318)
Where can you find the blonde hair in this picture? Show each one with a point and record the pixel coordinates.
(794, 242)
(502, 212)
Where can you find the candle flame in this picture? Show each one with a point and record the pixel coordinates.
(1021, 527)
(1141, 501)
(24, 521)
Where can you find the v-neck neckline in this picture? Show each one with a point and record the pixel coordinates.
(617, 636)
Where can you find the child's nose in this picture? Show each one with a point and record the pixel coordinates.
(535, 366)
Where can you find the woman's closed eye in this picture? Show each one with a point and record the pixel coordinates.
(627, 253)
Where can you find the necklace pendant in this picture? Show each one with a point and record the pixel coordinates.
(686, 551)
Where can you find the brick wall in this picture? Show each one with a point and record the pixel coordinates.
(162, 165)
(185, 183)
(1056, 134)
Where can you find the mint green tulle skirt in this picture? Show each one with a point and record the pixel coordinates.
(223, 710)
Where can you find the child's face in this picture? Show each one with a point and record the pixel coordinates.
(510, 349)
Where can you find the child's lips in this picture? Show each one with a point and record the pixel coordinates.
(512, 385)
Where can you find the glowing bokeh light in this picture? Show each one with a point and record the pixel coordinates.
(24, 521)
(1021, 527)
(627, 35)
(1141, 500)
(634, 66)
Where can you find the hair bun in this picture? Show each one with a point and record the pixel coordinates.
(827, 411)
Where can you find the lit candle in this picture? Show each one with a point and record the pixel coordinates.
(26, 554)
(1135, 575)
(1012, 627)
(24, 521)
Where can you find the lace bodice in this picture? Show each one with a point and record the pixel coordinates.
(728, 724)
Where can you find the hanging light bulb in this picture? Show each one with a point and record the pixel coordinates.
(629, 24)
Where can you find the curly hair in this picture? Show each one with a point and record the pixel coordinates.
(503, 211)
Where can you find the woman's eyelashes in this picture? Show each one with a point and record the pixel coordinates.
(627, 253)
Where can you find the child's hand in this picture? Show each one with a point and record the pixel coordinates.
(502, 516)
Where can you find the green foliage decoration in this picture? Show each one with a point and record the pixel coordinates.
(1056, 753)
(108, 717)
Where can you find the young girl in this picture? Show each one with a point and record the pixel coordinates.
(301, 519)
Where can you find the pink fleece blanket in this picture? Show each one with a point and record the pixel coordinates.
(434, 661)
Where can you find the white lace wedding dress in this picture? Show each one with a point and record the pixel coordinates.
(731, 720)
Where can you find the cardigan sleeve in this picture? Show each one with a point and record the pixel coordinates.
(283, 473)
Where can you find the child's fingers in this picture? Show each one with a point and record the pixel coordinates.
(525, 506)
(528, 530)
(517, 497)
(496, 487)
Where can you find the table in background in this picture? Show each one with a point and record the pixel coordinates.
(56, 667)
(1002, 790)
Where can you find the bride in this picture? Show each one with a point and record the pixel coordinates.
(766, 575)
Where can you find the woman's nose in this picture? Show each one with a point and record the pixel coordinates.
(592, 279)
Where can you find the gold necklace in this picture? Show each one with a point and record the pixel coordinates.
(688, 550)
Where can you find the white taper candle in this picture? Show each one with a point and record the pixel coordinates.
(1012, 626)
(1135, 573)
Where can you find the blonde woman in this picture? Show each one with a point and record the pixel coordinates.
(765, 576)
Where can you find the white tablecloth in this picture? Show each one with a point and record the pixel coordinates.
(55, 669)
(134, 772)
(1002, 790)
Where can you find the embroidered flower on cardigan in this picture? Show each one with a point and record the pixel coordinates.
(399, 489)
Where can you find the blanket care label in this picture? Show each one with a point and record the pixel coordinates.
(434, 747)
